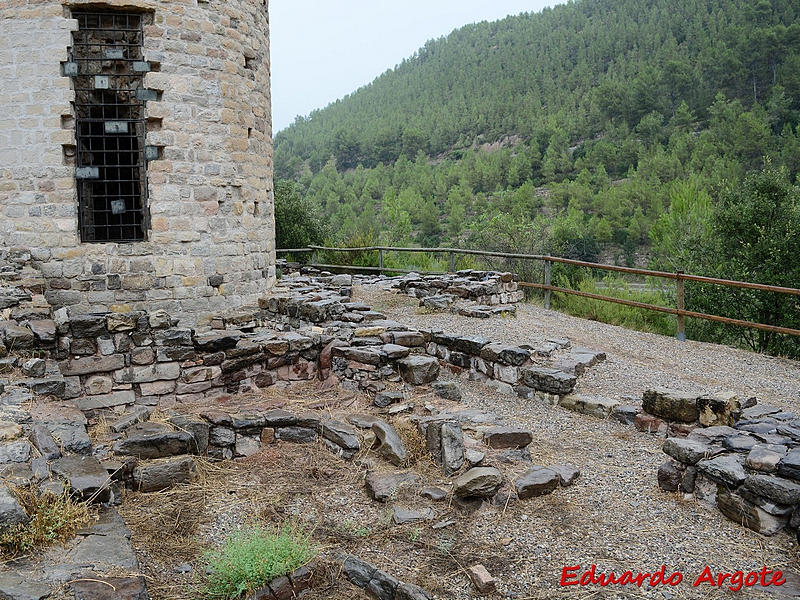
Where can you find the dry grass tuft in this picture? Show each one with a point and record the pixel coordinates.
(52, 519)
(413, 440)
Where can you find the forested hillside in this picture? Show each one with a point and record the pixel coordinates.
(599, 129)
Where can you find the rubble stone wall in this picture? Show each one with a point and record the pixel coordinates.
(210, 245)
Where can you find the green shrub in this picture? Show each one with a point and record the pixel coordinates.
(254, 556)
(618, 314)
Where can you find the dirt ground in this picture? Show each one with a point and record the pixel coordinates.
(615, 516)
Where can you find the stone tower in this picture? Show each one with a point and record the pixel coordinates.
(136, 151)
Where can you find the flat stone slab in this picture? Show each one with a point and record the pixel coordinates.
(479, 482)
(418, 369)
(538, 481)
(687, 451)
(391, 445)
(671, 405)
(164, 474)
(404, 516)
(724, 469)
(159, 444)
(383, 486)
(84, 474)
(507, 437)
(594, 406)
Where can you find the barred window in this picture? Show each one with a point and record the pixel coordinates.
(107, 68)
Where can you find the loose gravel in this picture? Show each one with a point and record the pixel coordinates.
(614, 516)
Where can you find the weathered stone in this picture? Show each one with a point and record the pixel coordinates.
(383, 586)
(279, 418)
(359, 572)
(217, 341)
(222, 436)
(197, 427)
(779, 490)
(137, 415)
(740, 511)
(740, 443)
(383, 486)
(148, 373)
(15, 452)
(155, 445)
(71, 437)
(85, 475)
(670, 475)
(404, 516)
(482, 579)
(474, 457)
(44, 330)
(88, 326)
(718, 409)
(34, 367)
(110, 588)
(247, 445)
(671, 405)
(97, 385)
(296, 435)
(15, 337)
(507, 437)
(164, 474)
(9, 431)
(418, 370)
(92, 364)
(122, 398)
(43, 441)
(448, 390)
(391, 446)
(384, 399)
(625, 414)
(649, 424)
(11, 512)
(594, 406)
(505, 354)
(551, 381)
(433, 493)
(687, 451)
(408, 591)
(20, 586)
(790, 465)
(567, 474)
(482, 482)
(765, 458)
(724, 469)
(538, 481)
(341, 434)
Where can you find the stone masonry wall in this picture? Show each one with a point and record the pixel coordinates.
(211, 242)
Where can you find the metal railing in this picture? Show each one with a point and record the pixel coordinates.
(680, 279)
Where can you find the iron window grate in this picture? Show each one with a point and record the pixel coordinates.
(107, 69)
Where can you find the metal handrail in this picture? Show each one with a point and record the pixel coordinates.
(679, 277)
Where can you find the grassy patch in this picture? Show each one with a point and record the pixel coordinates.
(251, 558)
(618, 314)
(52, 519)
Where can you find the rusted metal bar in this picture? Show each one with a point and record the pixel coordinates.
(580, 263)
(547, 286)
(681, 295)
(667, 309)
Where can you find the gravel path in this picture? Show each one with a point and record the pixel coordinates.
(636, 360)
(615, 516)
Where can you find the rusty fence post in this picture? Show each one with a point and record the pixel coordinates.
(548, 281)
(681, 289)
(452, 262)
(380, 260)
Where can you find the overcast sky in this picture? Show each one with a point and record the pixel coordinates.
(323, 50)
